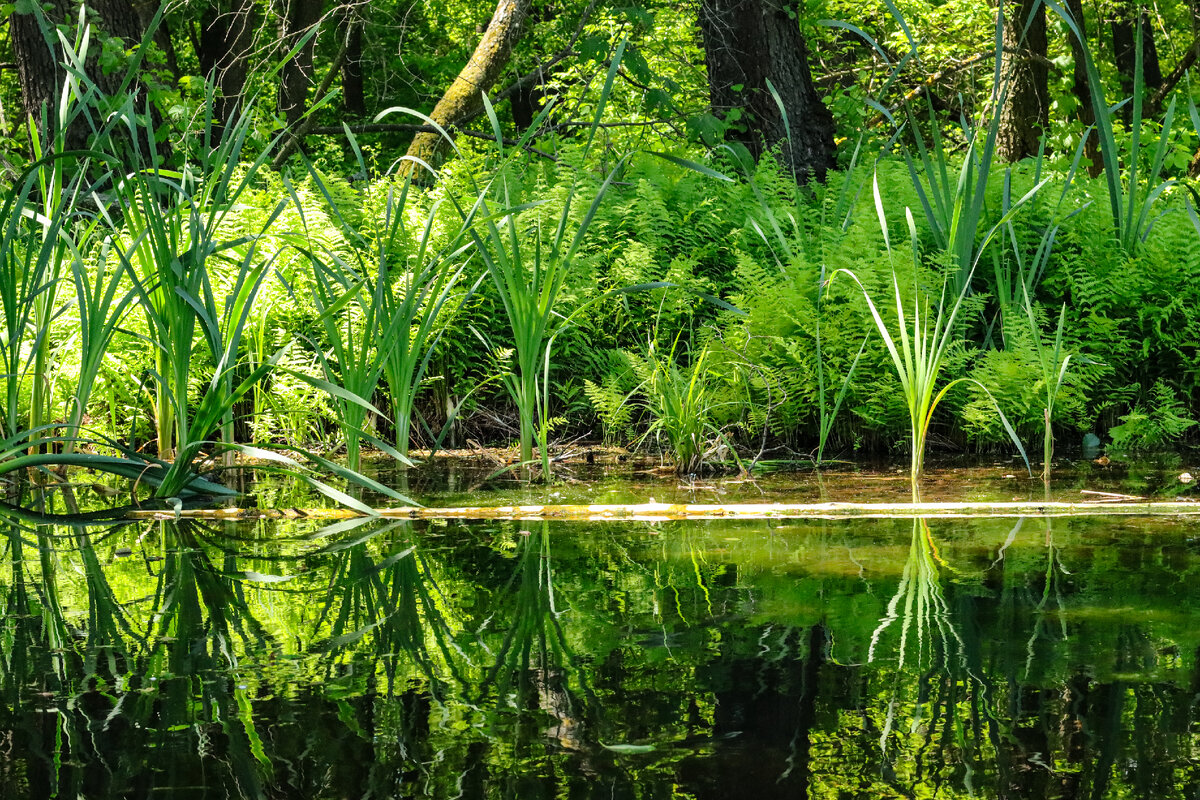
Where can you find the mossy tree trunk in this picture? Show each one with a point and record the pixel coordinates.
(1025, 77)
(463, 100)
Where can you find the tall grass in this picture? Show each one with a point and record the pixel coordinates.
(681, 403)
(178, 248)
(28, 262)
(62, 177)
(162, 240)
(1052, 364)
(102, 299)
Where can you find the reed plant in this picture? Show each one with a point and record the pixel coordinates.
(1132, 194)
(29, 253)
(918, 354)
(175, 242)
(955, 207)
(1052, 364)
(102, 299)
(382, 313)
(360, 332)
(178, 247)
(529, 267)
(529, 277)
(174, 254)
(66, 180)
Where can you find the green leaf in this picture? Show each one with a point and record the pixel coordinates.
(593, 48)
(635, 62)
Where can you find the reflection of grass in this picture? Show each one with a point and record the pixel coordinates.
(919, 603)
(391, 606)
(1051, 602)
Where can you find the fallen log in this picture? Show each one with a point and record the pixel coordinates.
(666, 512)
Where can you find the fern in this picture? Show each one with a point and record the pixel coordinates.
(1161, 422)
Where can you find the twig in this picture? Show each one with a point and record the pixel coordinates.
(1103, 497)
(537, 72)
(954, 69)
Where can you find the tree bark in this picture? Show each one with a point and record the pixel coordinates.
(463, 100)
(1025, 77)
(746, 44)
(38, 69)
(226, 40)
(299, 18)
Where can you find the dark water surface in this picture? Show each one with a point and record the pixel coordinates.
(873, 658)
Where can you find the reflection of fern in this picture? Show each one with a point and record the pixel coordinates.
(1161, 423)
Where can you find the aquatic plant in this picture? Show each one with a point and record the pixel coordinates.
(381, 314)
(175, 235)
(529, 285)
(30, 257)
(1052, 363)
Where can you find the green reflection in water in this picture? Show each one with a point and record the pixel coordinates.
(717, 659)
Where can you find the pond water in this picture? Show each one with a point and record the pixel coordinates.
(715, 659)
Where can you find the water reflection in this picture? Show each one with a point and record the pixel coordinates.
(398, 659)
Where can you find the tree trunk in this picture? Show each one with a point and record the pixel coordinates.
(299, 18)
(353, 97)
(746, 44)
(463, 100)
(38, 68)
(1025, 77)
(226, 40)
(525, 103)
(39, 58)
(1082, 90)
